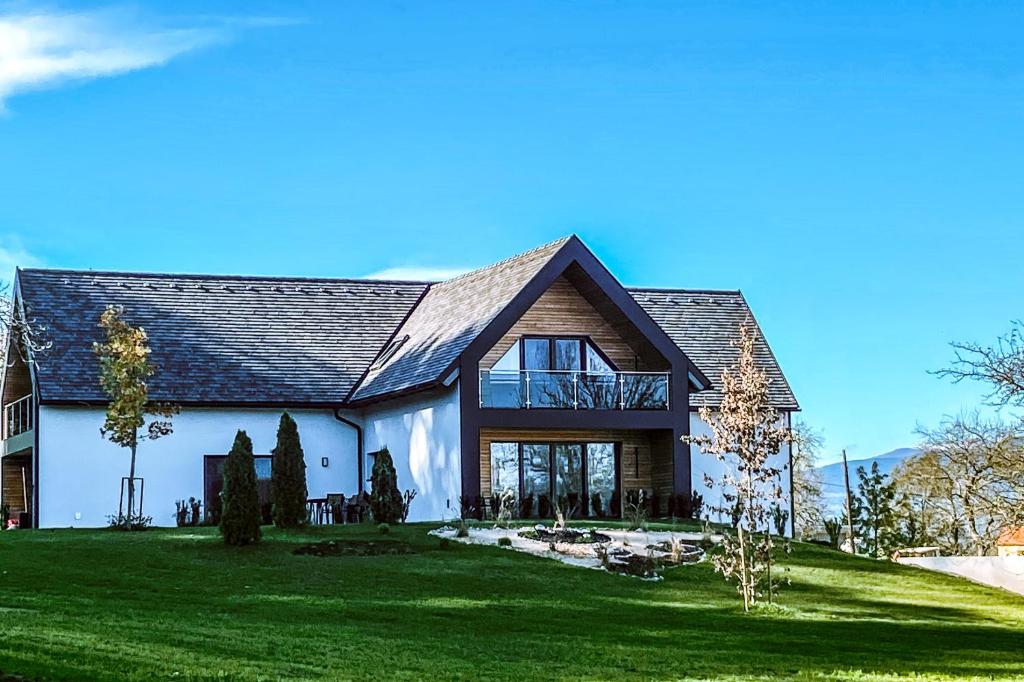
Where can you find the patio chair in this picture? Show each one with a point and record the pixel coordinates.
(335, 508)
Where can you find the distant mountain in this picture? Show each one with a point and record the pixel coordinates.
(832, 475)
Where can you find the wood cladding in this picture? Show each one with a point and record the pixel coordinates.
(13, 488)
(563, 310)
(18, 383)
(646, 456)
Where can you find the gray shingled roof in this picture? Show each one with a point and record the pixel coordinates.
(253, 340)
(238, 340)
(449, 317)
(705, 324)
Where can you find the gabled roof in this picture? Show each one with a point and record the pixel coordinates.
(297, 341)
(705, 324)
(448, 319)
(236, 340)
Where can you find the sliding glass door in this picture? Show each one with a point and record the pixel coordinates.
(536, 467)
(581, 478)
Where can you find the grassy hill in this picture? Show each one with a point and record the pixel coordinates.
(80, 604)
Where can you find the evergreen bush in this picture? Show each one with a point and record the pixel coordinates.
(385, 500)
(240, 503)
(288, 476)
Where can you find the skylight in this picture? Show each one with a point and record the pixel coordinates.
(389, 352)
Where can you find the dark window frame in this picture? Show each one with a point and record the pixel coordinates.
(584, 467)
(582, 339)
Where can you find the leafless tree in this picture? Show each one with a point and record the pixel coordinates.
(968, 483)
(808, 501)
(1000, 365)
(24, 337)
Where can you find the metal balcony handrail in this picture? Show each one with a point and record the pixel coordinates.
(19, 416)
(527, 378)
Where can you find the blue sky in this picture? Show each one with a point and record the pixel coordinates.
(855, 170)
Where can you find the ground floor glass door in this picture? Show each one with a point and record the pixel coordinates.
(582, 478)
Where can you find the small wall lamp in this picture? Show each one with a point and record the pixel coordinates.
(323, 462)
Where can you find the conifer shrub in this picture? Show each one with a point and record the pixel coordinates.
(240, 503)
(385, 500)
(288, 477)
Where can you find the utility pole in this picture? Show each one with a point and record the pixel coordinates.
(849, 504)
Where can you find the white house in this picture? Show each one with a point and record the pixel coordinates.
(540, 373)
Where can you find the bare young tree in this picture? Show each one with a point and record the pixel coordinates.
(970, 481)
(745, 434)
(1000, 365)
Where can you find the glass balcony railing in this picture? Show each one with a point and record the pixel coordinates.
(572, 390)
(18, 417)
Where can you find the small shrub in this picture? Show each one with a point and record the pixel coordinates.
(654, 503)
(124, 522)
(636, 510)
(504, 541)
(526, 506)
(407, 497)
(180, 513)
(383, 528)
(696, 505)
(465, 506)
(543, 506)
(596, 506)
(385, 500)
(462, 528)
(834, 528)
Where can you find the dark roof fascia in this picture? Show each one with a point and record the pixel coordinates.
(392, 395)
(575, 251)
(362, 377)
(207, 403)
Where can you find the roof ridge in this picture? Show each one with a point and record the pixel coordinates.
(201, 276)
(559, 241)
(676, 290)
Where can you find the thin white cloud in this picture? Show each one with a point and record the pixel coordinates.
(14, 255)
(418, 274)
(47, 48)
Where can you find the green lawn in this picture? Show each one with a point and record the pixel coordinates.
(177, 603)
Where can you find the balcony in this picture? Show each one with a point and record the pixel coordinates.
(574, 390)
(19, 421)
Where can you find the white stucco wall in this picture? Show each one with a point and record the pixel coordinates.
(80, 472)
(422, 434)
(701, 464)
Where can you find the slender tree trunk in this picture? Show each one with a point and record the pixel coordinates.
(744, 580)
(131, 481)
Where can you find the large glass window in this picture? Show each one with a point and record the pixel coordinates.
(537, 470)
(536, 353)
(569, 476)
(567, 354)
(505, 467)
